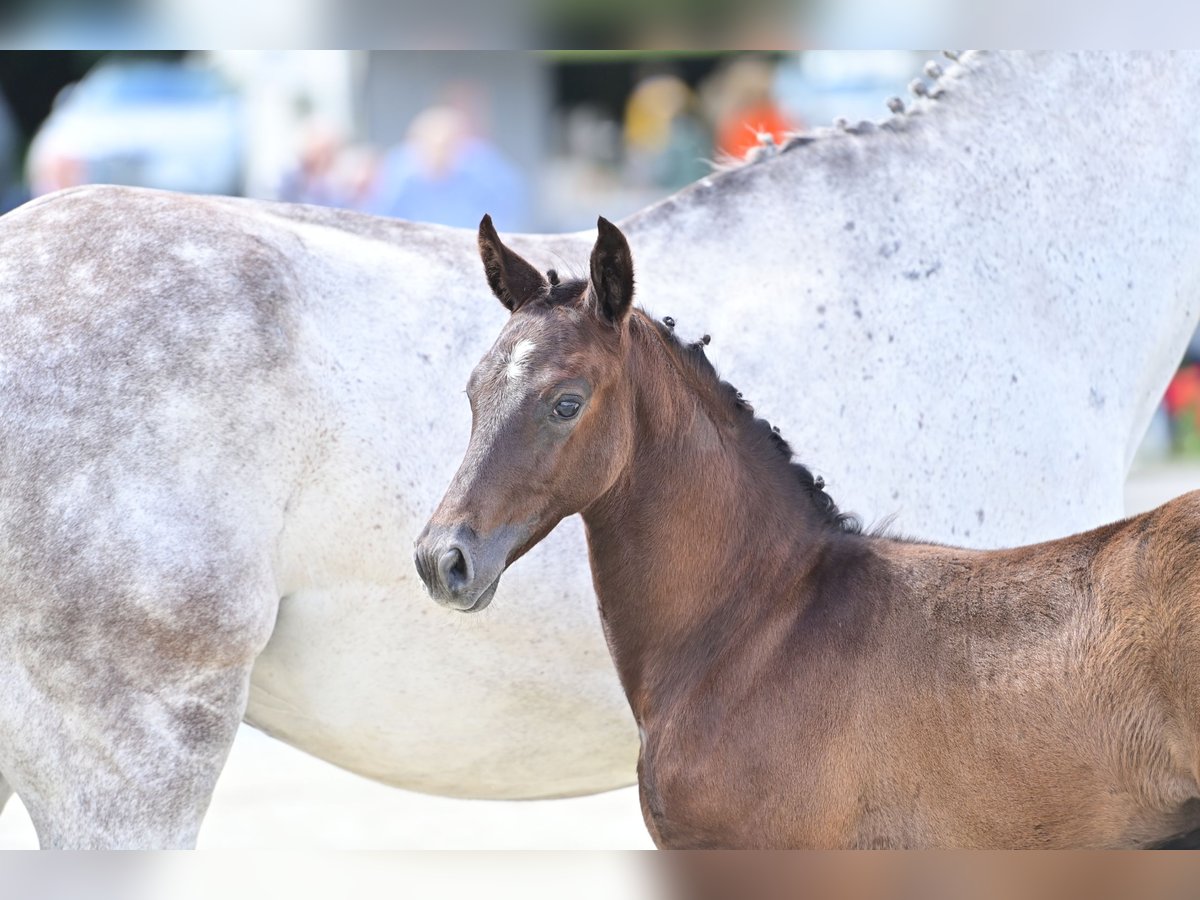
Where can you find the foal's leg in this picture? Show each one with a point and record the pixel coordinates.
(119, 709)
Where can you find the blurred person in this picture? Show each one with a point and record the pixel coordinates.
(1182, 401)
(584, 172)
(665, 142)
(313, 180)
(354, 174)
(50, 171)
(591, 136)
(744, 107)
(447, 173)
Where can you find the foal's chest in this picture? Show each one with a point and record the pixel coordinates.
(699, 793)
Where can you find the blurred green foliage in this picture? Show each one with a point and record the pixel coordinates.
(664, 24)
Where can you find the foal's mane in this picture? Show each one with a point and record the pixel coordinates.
(692, 358)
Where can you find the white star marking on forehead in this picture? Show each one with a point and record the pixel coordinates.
(518, 359)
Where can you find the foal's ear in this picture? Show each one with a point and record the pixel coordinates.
(514, 281)
(611, 286)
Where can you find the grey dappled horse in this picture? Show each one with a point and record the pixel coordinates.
(223, 422)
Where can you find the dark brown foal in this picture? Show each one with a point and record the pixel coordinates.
(798, 683)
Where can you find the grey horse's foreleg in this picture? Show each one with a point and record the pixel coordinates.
(139, 780)
(116, 741)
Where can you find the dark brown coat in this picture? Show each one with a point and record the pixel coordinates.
(798, 683)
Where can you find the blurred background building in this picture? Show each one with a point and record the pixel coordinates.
(542, 140)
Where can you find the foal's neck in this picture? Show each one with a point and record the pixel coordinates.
(703, 540)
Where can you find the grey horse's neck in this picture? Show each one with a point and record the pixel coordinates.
(1050, 199)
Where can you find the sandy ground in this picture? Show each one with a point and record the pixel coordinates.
(272, 796)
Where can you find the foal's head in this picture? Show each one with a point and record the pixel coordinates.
(552, 418)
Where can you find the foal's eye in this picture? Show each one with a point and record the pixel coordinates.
(567, 408)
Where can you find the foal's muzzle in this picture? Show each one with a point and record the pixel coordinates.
(460, 571)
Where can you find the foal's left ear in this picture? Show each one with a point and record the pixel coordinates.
(611, 286)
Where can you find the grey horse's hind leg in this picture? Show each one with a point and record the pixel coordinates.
(6, 793)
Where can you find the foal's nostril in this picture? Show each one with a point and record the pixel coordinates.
(455, 569)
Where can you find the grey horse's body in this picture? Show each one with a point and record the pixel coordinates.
(222, 423)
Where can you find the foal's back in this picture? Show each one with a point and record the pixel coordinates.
(1039, 696)
(1058, 671)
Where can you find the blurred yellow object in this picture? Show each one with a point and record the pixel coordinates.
(651, 109)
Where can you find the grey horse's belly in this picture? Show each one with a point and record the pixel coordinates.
(509, 704)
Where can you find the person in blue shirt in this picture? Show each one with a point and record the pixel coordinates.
(445, 173)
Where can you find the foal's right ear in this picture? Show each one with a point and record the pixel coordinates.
(611, 285)
(514, 281)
